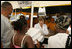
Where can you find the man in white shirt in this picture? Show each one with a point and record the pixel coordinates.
(42, 26)
(6, 28)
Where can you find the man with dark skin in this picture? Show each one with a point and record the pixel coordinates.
(6, 11)
(51, 27)
(6, 28)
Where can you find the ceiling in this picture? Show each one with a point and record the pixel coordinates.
(27, 4)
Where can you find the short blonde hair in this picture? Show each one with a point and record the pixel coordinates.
(41, 18)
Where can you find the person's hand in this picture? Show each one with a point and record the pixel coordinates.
(38, 44)
(42, 46)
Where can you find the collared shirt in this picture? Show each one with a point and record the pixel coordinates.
(6, 32)
(44, 29)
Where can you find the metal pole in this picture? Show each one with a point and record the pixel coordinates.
(31, 21)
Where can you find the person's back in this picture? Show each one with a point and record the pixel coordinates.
(20, 39)
(57, 41)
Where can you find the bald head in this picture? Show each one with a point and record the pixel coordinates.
(6, 9)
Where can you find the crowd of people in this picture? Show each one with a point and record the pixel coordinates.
(13, 35)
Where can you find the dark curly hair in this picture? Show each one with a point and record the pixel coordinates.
(22, 16)
(19, 24)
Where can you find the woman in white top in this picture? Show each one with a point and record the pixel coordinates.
(42, 26)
